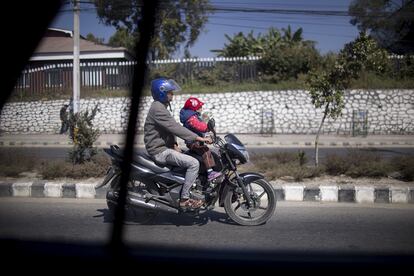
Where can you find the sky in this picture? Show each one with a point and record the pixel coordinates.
(329, 32)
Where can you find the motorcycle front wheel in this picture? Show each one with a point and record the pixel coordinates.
(262, 209)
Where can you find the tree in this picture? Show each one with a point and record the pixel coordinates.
(364, 54)
(122, 38)
(178, 22)
(327, 87)
(292, 38)
(241, 46)
(287, 60)
(94, 39)
(326, 90)
(284, 54)
(390, 22)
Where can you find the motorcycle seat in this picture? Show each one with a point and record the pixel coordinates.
(141, 157)
(174, 169)
(144, 159)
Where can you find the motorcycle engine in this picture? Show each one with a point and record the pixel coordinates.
(197, 190)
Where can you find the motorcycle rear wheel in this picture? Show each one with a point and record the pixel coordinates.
(133, 215)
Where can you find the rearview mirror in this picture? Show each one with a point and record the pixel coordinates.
(211, 124)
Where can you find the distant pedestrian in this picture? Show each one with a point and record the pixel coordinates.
(71, 105)
(64, 118)
(70, 116)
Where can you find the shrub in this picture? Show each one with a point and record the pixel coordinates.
(336, 165)
(375, 169)
(357, 163)
(282, 164)
(54, 169)
(289, 61)
(96, 167)
(83, 136)
(404, 166)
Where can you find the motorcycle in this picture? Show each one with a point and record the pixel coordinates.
(247, 198)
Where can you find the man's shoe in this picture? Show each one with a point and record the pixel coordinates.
(190, 204)
(186, 203)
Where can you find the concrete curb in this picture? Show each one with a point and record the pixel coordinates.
(294, 192)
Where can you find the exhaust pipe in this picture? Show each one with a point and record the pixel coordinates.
(140, 202)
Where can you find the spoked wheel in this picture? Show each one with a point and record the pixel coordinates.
(262, 209)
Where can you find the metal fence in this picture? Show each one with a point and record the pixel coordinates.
(118, 75)
(59, 77)
(208, 70)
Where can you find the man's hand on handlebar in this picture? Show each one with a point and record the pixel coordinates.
(207, 140)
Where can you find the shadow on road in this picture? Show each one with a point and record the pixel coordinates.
(186, 219)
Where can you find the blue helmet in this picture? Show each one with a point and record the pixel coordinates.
(160, 87)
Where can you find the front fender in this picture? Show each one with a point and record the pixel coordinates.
(248, 177)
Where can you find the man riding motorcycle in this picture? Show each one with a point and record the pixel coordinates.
(160, 131)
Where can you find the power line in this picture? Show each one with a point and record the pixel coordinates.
(280, 21)
(256, 27)
(289, 11)
(276, 4)
(232, 9)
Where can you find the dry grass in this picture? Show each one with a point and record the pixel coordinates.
(97, 167)
(404, 166)
(356, 164)
(12, 163)
(289, 166)
(284, 164)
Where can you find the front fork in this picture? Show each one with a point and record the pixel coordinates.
(240, 181)
(244, 190)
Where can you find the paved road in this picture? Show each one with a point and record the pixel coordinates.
(62, 153)
(300, 227)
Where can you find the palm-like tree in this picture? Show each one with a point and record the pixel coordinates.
(242, 46)
(290, 37)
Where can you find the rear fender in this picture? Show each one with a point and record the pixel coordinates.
(110, 174)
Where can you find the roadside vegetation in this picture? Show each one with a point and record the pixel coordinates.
(14, 163)
(285, 166)
(355, 163)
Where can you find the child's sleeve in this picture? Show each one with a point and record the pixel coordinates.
(197, 125)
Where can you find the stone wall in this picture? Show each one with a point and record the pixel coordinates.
(389, 111)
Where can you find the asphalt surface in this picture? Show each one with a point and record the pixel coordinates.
(297, 227)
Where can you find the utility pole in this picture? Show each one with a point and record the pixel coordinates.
(76, 68)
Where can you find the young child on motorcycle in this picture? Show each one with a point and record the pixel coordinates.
(190, 117)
